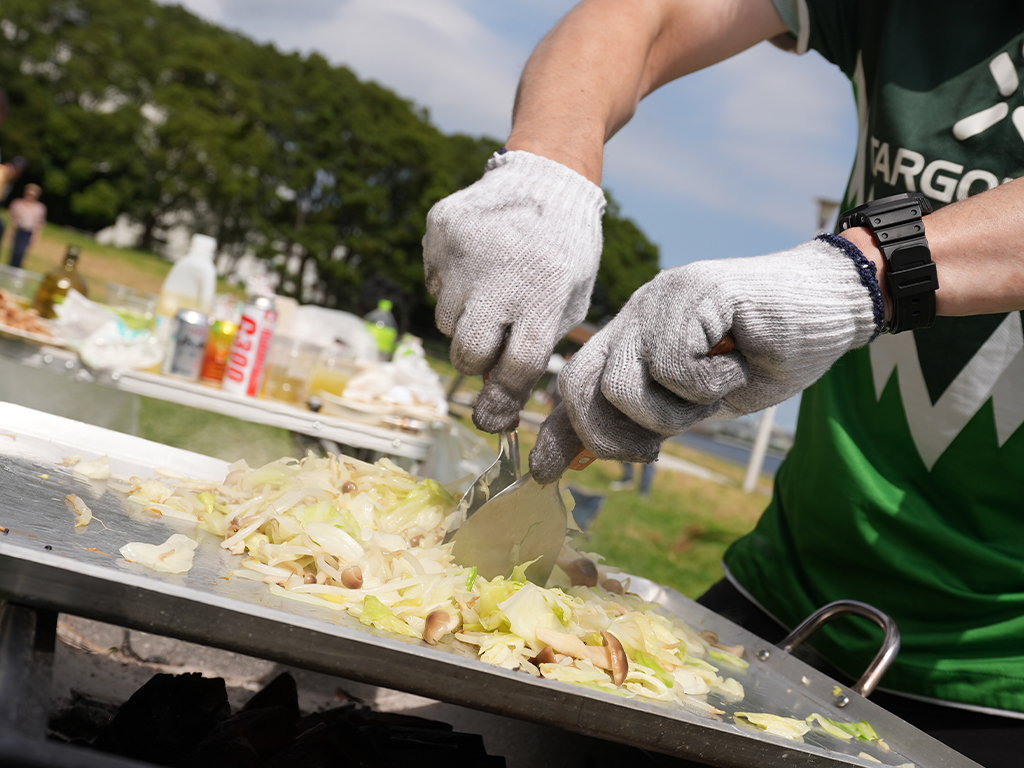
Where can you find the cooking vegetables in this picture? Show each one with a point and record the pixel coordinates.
(366, 538)
(94, 469)
(792, 728)
(77, 507)
(173, 556)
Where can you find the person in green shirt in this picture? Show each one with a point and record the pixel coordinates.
(904, 487)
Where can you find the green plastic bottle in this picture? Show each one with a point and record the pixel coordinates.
(381, 324)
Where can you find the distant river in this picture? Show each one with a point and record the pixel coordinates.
(737, 453)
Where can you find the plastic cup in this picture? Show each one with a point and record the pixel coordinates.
(289, 364)
(20, 283)
(332, 373)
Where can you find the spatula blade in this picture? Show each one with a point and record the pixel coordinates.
(524, 522)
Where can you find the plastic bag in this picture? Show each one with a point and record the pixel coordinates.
(321, 326)
(406, 381)
(78, 318)
(115, 345)
(102, 339)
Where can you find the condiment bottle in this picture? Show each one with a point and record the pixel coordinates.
(57, 282)
(192, 281)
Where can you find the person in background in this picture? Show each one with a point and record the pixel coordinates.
(28, 215)
(627, 482)
(903, 488)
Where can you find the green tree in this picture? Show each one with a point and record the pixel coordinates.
(127, 106)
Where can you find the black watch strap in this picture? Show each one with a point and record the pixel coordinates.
(897, 225)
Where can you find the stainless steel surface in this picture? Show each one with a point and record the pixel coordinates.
(502, 472)
(46, 562)
(525, 522)
(257, 410)
(883, 659)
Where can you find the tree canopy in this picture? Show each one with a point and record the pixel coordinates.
(127, 106)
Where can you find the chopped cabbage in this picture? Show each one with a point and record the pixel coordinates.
(786, 727)
(367, 539)
(94, 469)
(173, 556)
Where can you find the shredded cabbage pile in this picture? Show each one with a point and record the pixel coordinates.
(367, 539)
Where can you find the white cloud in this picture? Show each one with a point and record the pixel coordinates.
(212, 10)
(761, 134)
(432, 51)
(435, 52)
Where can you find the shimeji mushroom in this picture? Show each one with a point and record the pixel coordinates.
(352, 577)
(609, 656)
(582, 572)
(437, 625)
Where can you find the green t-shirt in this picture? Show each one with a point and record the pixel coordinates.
(905, 486)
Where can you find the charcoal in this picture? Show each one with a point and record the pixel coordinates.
(279, 692)
(185, 722)
(265, 725)
(166, 718)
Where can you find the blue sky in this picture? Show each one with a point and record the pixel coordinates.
(726, 162)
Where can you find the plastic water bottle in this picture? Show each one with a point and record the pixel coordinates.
(382, 326)
(192, 281)
(191, 284)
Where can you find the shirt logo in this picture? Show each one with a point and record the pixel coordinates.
(1007, 82)
(944, 385)
(936, 415)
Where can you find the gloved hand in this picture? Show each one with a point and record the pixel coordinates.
(647, 375)
(511, 261)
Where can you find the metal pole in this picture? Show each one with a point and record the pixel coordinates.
(764, 432)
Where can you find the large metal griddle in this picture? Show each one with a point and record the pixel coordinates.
(45, 562)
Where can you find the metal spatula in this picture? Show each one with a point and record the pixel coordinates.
(526, 521)
(502, 473)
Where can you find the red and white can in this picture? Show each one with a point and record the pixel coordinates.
(243, 373)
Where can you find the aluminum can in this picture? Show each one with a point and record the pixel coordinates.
(187, 345)
(218, 347)
(243, 372)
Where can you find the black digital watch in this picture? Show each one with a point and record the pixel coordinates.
(896, 222)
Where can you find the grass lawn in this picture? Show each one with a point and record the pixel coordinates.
(145, 272)
(212, 434)
(675, 536)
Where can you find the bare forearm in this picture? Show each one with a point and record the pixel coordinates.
(587, 76)
(976, 246)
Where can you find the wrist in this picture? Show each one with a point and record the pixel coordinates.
(865, 242)
(586, 163)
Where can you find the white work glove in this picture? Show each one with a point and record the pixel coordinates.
(511, 261)
(647, 375)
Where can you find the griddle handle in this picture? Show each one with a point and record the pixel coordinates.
(883, 659)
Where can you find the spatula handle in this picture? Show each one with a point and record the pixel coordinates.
(724, 347)
(582, 460)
